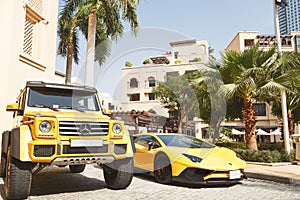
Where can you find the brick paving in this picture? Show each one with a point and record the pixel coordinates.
(55, 183)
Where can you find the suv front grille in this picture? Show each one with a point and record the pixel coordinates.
(81, 128)
(43, 150)
(84, 150)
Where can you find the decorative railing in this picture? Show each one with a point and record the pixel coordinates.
(28, 37)
(36, 5)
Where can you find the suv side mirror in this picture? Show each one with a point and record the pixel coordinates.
(12, 107)
(106, 111)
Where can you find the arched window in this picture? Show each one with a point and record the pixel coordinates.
(151, 81)
(133, 83)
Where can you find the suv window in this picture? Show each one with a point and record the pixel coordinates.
(62, 99)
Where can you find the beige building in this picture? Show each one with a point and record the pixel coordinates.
(138, 81)
(28, 48)
(243, 40)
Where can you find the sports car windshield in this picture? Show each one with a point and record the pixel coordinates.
(184, 141)
(56, 98)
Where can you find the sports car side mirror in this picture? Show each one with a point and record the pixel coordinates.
(150, 145)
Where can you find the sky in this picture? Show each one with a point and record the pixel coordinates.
(165, 21)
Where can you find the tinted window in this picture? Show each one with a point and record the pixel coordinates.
(146, 140)
(184, 141)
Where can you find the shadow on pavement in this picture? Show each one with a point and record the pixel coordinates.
(150, 177)
(54, 180)
(61, 180)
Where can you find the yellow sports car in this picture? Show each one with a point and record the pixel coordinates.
(177, 157)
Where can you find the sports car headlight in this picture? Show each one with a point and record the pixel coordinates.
(45, 126)
(117, 128)
(193, 158)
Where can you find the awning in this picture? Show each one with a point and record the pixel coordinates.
(276, 132)
(262, 132)
(237, 132)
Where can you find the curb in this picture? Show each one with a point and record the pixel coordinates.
(278, 179)
(271, 164)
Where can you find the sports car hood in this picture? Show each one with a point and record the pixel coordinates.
(220, 158)
(216, 158)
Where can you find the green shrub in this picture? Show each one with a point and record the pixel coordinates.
(232, 145)
(288, 157)
(265, 156)
(147, 61)
(272, 146)
(267, 152)
(128, 64)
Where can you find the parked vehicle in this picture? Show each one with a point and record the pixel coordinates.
(177, 157)
(63, 125)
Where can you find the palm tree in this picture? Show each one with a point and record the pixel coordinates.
(256, 75)
(104, 23)
(210, 54)
(212, 107)
(293, 105)
(177, 95)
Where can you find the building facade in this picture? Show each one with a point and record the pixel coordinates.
(289, 17)
(28, 48)
(243, 40)
(138, 81)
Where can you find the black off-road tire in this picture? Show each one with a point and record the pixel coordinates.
(77, 168)
(162, 169)
(18, 176)
(3, 164)
(118, 174)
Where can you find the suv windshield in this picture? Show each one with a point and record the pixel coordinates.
(55, 98)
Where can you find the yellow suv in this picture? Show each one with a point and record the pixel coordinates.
(56, 124)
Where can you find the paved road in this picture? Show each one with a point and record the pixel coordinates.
(59, 183)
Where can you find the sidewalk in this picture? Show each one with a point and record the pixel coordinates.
(288, 173)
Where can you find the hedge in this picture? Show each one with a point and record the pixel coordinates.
(267, 152)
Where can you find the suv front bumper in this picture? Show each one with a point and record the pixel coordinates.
(62, 153)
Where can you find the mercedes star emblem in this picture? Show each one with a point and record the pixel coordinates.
(85, 129)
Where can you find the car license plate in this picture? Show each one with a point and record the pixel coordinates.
(86, 143)
(235, 174)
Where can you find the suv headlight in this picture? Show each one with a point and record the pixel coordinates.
(45, 126)
(117, 128)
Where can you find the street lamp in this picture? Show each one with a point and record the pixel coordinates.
(282, 3)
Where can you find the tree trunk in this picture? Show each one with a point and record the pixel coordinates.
(90, 48)
(179, 121)
(291, 122)
(69, 59)
(291, 126)
(216, 130)
(249, 119)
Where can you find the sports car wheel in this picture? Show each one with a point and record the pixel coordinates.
(77, 168)
(162, 169)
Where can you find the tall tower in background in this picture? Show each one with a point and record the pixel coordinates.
(289, 17)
